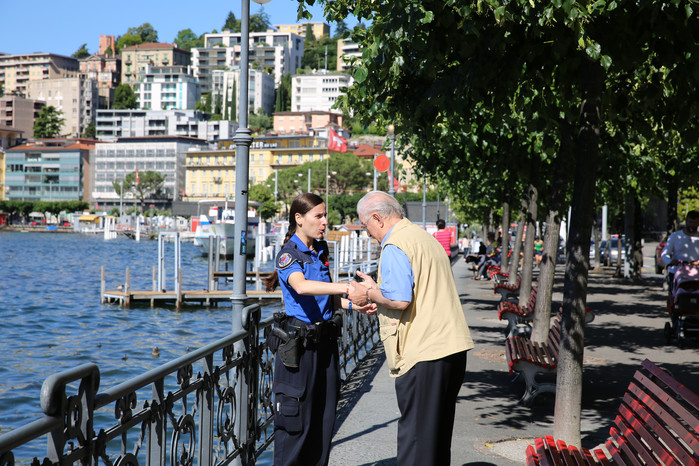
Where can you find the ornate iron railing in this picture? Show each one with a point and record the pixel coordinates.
(221, 415)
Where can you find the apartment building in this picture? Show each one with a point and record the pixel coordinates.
(77, 98)
(16, 71)
(319, 29)
(19, 113)
(49, 170)
(114, 124)
(226, 87)
(167, 88)
(8, 137)
(137, 58)
(211, 171)
(311, 122)
(275, 52)
(317, 91)
(345, 49)
(164, 154)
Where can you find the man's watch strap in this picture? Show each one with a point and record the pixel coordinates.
(368, 299)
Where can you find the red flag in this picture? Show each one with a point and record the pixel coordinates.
(335, 142)
(137, 175)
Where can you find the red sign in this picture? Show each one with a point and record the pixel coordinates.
(381, 163)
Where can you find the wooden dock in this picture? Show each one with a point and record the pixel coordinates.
(178, 298)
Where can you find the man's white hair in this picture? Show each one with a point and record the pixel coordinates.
(381, 203)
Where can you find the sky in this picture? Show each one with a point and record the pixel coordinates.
(61, 27)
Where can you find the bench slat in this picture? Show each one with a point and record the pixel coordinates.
(648, 410)
(644, 444)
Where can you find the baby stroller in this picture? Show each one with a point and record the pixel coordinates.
(683, 305)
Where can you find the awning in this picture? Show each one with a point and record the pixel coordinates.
(89, 218)
(36, 215)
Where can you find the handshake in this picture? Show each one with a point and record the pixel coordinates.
(359, 294)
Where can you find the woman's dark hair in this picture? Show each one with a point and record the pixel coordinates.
(302, 204)
(441, 224)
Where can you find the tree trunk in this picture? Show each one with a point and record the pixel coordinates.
(636, 250)
(517, 247)
(504, 261)
(672, 195)
(570, 359)
(542, 314)
(525, 286)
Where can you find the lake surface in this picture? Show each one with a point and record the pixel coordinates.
(52, 318)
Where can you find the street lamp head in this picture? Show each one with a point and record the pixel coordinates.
(261, 2)
(391, 128)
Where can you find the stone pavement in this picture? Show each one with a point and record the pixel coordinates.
(490, 429)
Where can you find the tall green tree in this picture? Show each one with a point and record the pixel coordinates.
(262, 193)
(341, 29)
(142, 185)
(125, 97)
(282, 98)
(49, 123)
(186, 39)
(232, 23)
(82, 52)
(260, 22)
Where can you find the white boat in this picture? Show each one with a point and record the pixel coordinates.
(219, 224)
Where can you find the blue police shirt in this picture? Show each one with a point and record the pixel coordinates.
(396, 273)
(296, 257)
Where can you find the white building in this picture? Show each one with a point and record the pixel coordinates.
(167, 88)
(77, 98)
(163, 154)
(318, 91)
(279, 53)
(226, 86)
(114, 124)
(345, 50)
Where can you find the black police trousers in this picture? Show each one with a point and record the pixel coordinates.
(305, 400)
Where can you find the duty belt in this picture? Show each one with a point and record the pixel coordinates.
(320, 331)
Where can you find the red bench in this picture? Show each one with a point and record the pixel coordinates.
(657, 423)
(515, 314)
(506, 290)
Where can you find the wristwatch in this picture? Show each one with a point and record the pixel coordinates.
(368, 299)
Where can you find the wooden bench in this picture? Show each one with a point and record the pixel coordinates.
(657, 423)
(515, 314)
(531, 359)
(506, 290)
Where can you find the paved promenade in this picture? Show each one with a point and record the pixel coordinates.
(490, 429)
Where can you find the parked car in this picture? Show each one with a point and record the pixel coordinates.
(659, 264)
(611, 251)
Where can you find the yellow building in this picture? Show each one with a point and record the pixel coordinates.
(320, 30)
(211, 173)
(17, 70)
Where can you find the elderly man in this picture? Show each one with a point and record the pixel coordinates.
(422, 327)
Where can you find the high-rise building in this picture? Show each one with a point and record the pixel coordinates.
(77, 98)
(346, 49)
(16, 71)
(226, 86)
(105, 68)
(274, 52)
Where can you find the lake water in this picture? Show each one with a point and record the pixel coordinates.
(52, 318)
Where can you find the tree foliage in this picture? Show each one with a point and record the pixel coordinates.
(186, 39)
(82, 52)
(282, 99)
(49, 123)
(264, 194)
(149, 184)
(125, 97)
(142, 34)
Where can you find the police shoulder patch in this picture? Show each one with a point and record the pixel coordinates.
(284, 260)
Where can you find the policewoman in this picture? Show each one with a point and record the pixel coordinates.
(306, 373)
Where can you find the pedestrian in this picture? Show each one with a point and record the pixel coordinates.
(682, 246)
(538, 250)
(422, 325)
(306, 373)
(443, 236)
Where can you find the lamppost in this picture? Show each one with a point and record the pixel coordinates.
(392, 176)
(243, 141)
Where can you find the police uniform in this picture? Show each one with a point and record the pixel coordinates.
(305, 398)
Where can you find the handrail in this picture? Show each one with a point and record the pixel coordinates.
(190, 415)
